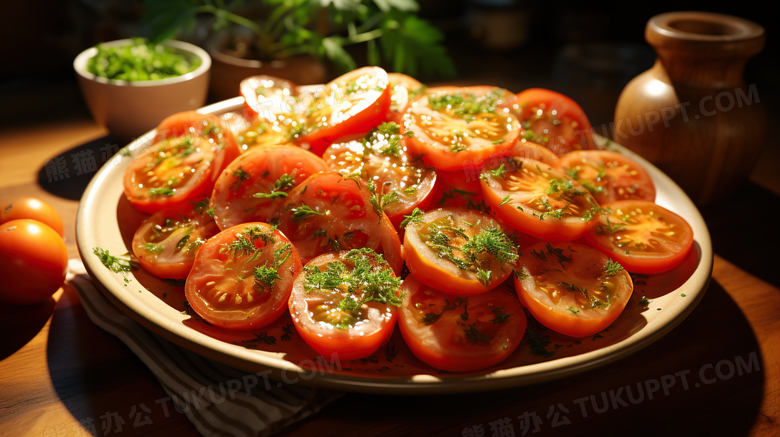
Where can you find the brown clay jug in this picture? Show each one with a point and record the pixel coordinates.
(691, 114)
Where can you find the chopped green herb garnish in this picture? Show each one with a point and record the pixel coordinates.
(505, 200)
(613, 268)
(151, 247)
(303, 212)
(415, 217)
(162, 191)
(501, 316)
(474, 335)
(241, 177)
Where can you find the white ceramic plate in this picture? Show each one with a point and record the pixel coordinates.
(106, 219)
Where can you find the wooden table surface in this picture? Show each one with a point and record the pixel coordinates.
(719, 371)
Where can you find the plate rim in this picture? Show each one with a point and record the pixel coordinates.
(279, 369)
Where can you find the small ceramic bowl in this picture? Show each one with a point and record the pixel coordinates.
(129, 109)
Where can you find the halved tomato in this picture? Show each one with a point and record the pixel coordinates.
(571, 288)
(166, 243)
(261, 92)
(351, 104)
(536, 199)
(552, 120)
(344, 303)
(243, 277)
(402, 182)
(642, 236)
(459, 251)
(609, 176)
(253, 188)
(460, 334)
(456, 127)
(403, 90)
(328, 212)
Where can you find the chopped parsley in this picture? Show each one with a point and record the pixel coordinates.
(505, 200)
(303, 212)
(415, 217)
(267, 275)
(613, 268)
(201, 206)
(241, 177)
(538, 343)
(153, 248)
(114, 263)
(280, 188)
(474, 335)
(501, 316)
(162, 191)
(369, 279)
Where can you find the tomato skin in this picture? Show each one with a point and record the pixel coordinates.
(573, 132)
(434, 271)
(320, 138)
(34, 209)
(436, 150)
(354, 343)
(33, 262)
(438, 344)
(263, 166)
(173, 262)
(556, 315)
(210, 278)
(350, 212)
(623, 178)
(674, 250)
(527, 219)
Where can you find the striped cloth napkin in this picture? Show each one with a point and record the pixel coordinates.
(217, 399)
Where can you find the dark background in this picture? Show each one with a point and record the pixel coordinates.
(588, 50)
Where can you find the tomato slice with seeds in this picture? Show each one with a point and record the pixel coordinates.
(328, 212)
(259, 92)
(403, 90)
(351, 104)
(402, 182)
(243, 277)
(460, 334)
(571, 288)
(459, 251)
(455, 128)
(344, 303)
(536, 199)
(254, 187)
(609, 176)
(166, 243)
(173, 172)
(210, 128)
(552, 120)
(642, 236)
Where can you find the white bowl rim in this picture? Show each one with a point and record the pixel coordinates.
(80, 64)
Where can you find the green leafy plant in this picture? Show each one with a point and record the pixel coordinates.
(390, 30)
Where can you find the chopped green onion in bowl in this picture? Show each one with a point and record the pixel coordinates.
(140, 61)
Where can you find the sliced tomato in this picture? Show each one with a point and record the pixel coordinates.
(243, 277)
(253, 188)
(460, 334)
(536, 199)
(571, 288)
(642, 236)
(351, 104)
(403, 90)
(552, 120)
(261, 92)
(402, 182)
(459, 251)
(166, 243)
(609, 176)
(171, 174)
(328, 212)
(454, 128)
(344, 303)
